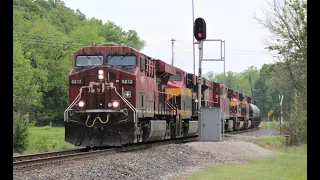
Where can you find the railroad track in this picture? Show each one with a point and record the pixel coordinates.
(34, 160)
(243, 131)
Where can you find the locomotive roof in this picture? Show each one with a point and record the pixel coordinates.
(165, 66)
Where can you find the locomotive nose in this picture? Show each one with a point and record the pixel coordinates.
(100, 95)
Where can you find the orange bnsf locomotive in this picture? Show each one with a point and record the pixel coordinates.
(118, 96)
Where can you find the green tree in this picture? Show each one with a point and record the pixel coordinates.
(47, 33)
(25, 88)
(132, 39)
(287, 22)
(241, 82)
(25, 94)
(86, 35)
(248, 79)
(262, 91)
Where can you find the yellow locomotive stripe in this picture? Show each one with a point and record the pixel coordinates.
(179, 91)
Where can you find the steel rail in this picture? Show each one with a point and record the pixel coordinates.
(44, 158)
(243, 131)
(47, 154)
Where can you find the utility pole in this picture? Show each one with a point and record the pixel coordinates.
(172, 43)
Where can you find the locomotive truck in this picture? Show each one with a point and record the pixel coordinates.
(119, 96)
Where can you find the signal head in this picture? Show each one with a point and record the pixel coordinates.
(200, 29)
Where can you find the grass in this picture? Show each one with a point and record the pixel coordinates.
(46, 139)
(289, 163)
(271, 124)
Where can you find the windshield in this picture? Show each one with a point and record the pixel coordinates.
(122, 60)
(176, 77)
(89, 60)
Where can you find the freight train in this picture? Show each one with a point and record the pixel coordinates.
(119, 96)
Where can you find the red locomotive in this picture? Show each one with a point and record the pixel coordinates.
(118, 95)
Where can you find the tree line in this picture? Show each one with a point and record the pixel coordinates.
(45, 35)
(286, 20)
(261, 85)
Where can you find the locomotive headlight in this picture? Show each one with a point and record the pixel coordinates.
(81, 104)
(100, 76)
(100, 72)
(115, 104)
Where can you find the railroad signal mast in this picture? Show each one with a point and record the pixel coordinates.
(200, 34)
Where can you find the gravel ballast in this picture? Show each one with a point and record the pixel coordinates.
(234, 151)
(160, 162)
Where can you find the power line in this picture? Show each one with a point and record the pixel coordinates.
(75, 39)
(46, 43)
(74, 42)
(42, 35)
(232, 50)
(229, 50)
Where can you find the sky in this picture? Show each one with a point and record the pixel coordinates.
(157, 21)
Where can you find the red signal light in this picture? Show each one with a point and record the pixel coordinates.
(199, 29)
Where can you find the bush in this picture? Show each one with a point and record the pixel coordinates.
(271, 142)
(20, 132)
(55, 144)
(271, 124)
(297, 124)
(41, 144)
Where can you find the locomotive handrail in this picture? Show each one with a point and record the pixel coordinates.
(167, 101)
(72, 104)
(173, 108)
(215, 102)
(125, 100)
(170, 105)
(129, 104)
(165, 93)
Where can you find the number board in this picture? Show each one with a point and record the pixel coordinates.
(76, 81)
(124, 81)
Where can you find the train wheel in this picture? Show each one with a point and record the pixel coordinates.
(238, 125)
(248, 124)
